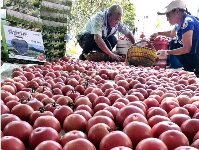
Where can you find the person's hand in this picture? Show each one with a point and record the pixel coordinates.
(161, 54)
(154, 35)
(116, 57)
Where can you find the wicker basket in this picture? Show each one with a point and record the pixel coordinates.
(97, 56)
(141, 56)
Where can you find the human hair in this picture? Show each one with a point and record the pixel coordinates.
(115, 9)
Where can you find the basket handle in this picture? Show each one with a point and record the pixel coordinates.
(144, 41)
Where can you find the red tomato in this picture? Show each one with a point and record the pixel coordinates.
(100, 119)
(163, 126)
(79, 144)
(11, 143)
(113, 139)
(13, 128)
(104, 113)
(35, 104)
(23, 111)
(41, 134)
(84, 113)
(191, 109)
(11, 97)
(37, 114)
(4, 94)
(47, 121)
(7, 118)
(4, 109)
(11, 104)
(49, 144)
(83, 101)
(51, 107)
(156, 111)
(139, 104)
(179, 118)
(190, 127)
(170, 136)
(74, 122)
(65, 100)
(113, 97)
(85, 107)
(135, 117)
(178, 110)
(72, 135)
(137, 131)
(101, 99)
(62, 112)
(113, 110)
(9, 88)
(97, 132)
(23, 95)
(151, 144)
(125, 112)
(100, 106)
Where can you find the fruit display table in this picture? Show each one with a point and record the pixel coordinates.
(70, 104)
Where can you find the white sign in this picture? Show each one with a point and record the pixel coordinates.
(24, 44)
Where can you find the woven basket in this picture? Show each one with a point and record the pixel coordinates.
(141, 56)
(97, 56)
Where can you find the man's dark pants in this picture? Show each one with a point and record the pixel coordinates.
(87, 43)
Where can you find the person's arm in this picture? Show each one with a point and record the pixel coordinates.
(187, 43)
(102, 45)
(170, 33)
(131, 37)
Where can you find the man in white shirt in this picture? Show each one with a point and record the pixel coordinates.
(99, 31)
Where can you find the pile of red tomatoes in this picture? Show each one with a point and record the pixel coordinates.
(83, 105)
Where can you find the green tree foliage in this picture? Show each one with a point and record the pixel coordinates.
(82, 10)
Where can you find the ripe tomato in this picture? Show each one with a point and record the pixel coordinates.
(163, 126)
(113, 139)
(37, 114)
(35, 104)
(62, 112)
(7, 118)
(4, 109)
(84, 113)
(97, 132)
(11, 143)
(79, 144)
(190, 127)
(83, 101)
(137, 131)
(179, 118)
(100, 119)
(151, 144)
(74, 122)
(49, 144)
(135, 117)
(13, 128)
(178, 110)
(72, 135)
(169, 138)
(85, 107)
(47, 121)
(125, 112)
(41, 134)
(23, 111)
